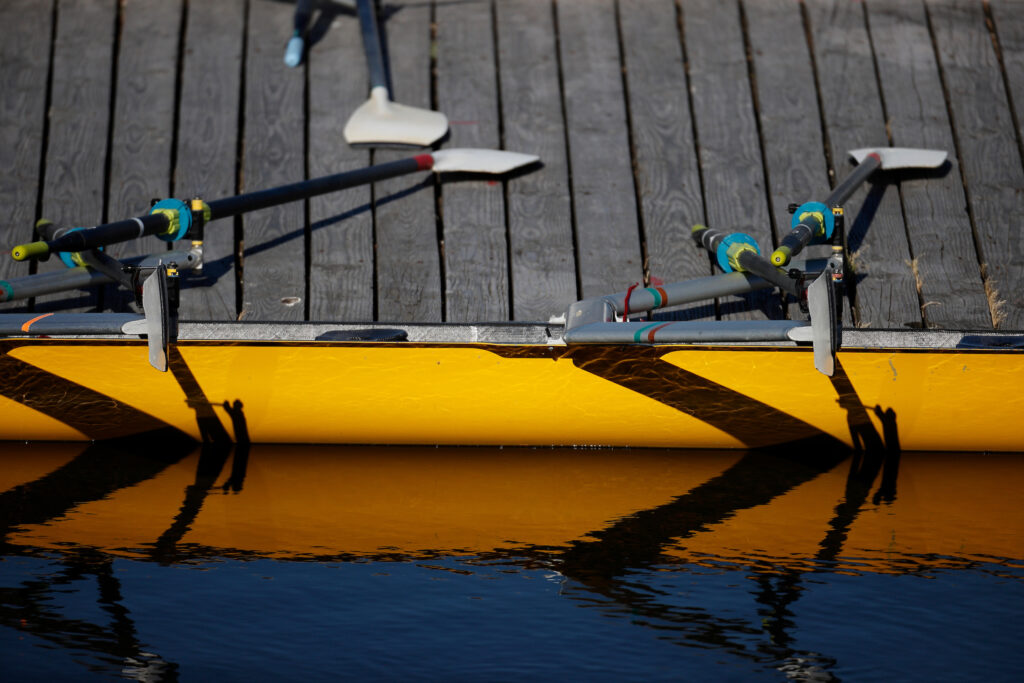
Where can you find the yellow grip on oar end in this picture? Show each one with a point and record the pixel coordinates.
(173, 220)
(781, 256)
(697, 228)
(734, 250)
(24, 252)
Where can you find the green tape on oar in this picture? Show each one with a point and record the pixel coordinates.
(24, 252)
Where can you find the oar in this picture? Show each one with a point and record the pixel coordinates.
(379, 120)
(739, 252)
(171, 218)
(814, 220)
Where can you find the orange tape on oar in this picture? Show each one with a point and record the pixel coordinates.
(648, 331)
(28, 323)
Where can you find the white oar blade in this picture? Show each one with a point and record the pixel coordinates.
(902, 157)
(379, 121)
(821, 306)
(154, 305)
(469, 160)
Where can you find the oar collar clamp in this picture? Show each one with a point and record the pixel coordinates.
(730, 248)
(179, 218)
(822, 213)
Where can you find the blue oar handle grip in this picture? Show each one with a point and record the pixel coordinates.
(293, 51)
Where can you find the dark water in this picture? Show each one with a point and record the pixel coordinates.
(160, 562)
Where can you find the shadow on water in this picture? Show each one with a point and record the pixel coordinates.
(600, 570)
(605, 561)
(100, 470)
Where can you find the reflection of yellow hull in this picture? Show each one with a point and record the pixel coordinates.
(514, 394)
(309, 501)
(334, 502)
(948, 510)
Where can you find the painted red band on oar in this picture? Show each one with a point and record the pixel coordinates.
(28, 324)
(659, 296)
(425, 161)
(650, 335)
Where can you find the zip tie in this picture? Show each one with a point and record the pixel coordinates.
(142, 227)
(629, 293)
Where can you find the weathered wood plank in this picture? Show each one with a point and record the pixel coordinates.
(408, 262)
(341, 223)
(473, 211)
(1008, 20)
(944, 257)
(24, 66)
(273, 261)
(76, 155)
(608, 241)
(207, 159)
(667, 175)
(543, 263)
(143, 123)
(885, 289)
(727, 137)
(790, 120)
(988, 149)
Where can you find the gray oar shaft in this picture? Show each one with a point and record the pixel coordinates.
(80, 277)
(372, 44)
(677, 293)
(846, 188)
(47, 283)
(605, 308)
(33, 324)
(683, 332)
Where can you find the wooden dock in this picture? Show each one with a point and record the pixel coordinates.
(649, 116)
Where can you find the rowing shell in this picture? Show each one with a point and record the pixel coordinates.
(509, 384)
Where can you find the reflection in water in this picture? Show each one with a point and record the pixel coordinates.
(624, 530)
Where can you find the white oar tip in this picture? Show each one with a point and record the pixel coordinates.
(380, 121)
(469, 160)
(902, 157)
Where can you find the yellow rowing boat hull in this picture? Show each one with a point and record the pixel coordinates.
(512, 394)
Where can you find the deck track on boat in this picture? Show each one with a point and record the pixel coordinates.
(648, 115)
